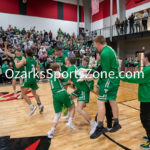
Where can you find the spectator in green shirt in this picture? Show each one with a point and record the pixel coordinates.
(5, 66)
(143, 79)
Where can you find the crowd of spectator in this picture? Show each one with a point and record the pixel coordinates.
(132, 64)
(42, 43)
(133, 24)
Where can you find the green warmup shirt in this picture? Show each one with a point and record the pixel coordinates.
(126, 62)
(110, 65)
(61, 62)
(143, 79)
(97, 66)
(109, 83)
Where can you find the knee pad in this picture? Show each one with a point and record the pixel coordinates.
(56, 118)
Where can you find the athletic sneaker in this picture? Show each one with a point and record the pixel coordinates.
(71, 125)
(50, 134)
(32, 110)
(15, 94)
(115, 127)
(99, 131)
(41, 108)
(65, 117)
(19, 97)
(146, 145)
(93, 127)
(108, 129)
(145, 138)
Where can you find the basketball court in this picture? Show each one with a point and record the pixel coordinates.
(16, 123)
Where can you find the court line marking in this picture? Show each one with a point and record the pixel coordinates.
(129, 106)
(118, 144)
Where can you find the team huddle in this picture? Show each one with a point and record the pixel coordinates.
(63, 102)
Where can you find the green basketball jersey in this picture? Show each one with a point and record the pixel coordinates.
(71, 75)
(90, 84)
(87, 67)
(56, 84)
(30, 67)
(21, 68)
(61, 62)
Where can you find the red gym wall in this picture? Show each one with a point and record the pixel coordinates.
(134, 3)
(42, 8)
(104, 8)
(39, 8)
(9, 6)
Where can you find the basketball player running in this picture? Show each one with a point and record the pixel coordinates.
(82, 92)
(60, 98)
(108, 86)
(30, 80)
(16, 72)
(62, 60)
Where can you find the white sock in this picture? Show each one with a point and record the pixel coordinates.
(68, 114)
(70, 120)
(92, 122)
(15, 92)
(31, 106)
(52, 130)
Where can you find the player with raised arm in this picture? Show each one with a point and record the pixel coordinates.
(29, 80)
(17, 73)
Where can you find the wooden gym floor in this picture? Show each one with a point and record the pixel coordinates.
(16, 122)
